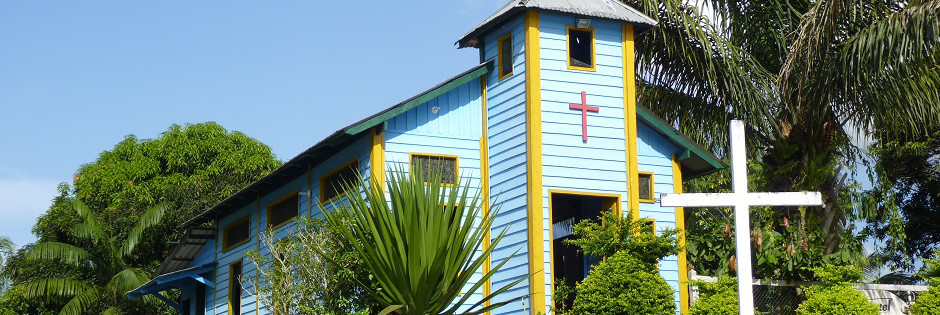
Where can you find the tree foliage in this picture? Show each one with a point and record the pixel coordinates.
(716, 298)
(928, 303)
(835, 295)
(319, 287)
(422, 242)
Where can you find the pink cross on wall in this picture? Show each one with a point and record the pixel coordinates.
(584, 108)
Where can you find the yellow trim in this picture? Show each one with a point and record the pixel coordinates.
(354, 161)
(534, 164)
(652, 187)
(231, 279)
(377, 158)
(225, 245)
(499, 56)
(629, 117)
(593, 66)
(652, 223)
(680, 225)
(456, 158)
(277, 202)
(551, 227)
(485, 184)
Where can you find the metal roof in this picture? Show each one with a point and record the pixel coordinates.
(326, 147)
(186, 251)
(694, 160)
(604, 9)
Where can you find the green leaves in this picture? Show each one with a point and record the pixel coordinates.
(423, 241)
(152, 217)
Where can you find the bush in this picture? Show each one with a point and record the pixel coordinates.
(623, 285)
(835, 295)
(720, 298)
(928, 303)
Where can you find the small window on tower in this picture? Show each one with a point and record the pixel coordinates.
(332, 185)
(236, 233)
(505, 56)
(646, 187)
(444, 166)
(283, 211)
(580, 48)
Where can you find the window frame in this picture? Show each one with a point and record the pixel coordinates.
(295, 193)
(456, 158)
(652, 187)
(652, 223)
(354, 161)
(499, 57)
(225, 245)
(593, 66)
(232, 279)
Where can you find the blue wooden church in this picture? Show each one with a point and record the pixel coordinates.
(548, 121)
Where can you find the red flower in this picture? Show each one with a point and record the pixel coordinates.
(786, 222)
(804, 245)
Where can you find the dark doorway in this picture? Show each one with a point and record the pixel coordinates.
(569, 264)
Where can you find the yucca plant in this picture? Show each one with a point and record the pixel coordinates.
(108, 274)
(422, 241)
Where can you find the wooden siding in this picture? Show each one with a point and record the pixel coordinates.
(507, 146)
(455, 129)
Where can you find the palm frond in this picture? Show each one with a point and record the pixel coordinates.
(127, 280)
(112, 311)
(151, 217)
(85, 231)
(53, 288)
(63, 252)
(81, 303)
(88, 217)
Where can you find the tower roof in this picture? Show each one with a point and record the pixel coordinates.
(603, 9)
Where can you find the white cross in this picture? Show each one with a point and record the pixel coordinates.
(741, 200)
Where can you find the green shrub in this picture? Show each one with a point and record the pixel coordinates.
(928, 303)
(719, 298)
(623, 285)
(835, 295)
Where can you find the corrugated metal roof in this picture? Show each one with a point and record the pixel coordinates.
(604, 9)
(186, 251)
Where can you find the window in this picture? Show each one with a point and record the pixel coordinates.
(444, 166)
(648, 226)
(283, 210)
(331, 185)
(235, 288)
(646, 187)
(505, 55)
(580, 48)
(236, 233)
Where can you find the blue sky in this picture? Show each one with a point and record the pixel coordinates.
(78, 76)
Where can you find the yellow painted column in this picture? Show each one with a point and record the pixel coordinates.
(485, 183)
(377, 158)
(629, 120)
(680, 225)
(534, 163)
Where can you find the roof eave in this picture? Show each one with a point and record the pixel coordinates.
(696, 161)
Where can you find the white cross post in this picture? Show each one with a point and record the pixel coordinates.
(741, 200)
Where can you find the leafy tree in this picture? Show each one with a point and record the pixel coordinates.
(6, 250)
(421, 241)
(319, 287)
(807, 77)
(716, 298)
(835, 295)
(104, 257)
(928, 303)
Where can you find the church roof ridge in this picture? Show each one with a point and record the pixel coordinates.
(603, 9)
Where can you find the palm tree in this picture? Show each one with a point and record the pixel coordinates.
(104, 259)
(6, 250)
(808, 77)
(422, 242)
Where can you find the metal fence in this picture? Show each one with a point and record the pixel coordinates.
(781, 297)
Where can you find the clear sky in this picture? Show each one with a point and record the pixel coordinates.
(78, 76)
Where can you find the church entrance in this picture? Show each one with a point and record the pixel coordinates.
(569, 264)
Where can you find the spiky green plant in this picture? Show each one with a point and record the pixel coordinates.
(6, 249)
(422, 241)
(104, 258)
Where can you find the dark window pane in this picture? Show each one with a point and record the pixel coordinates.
(579, 48)
(235, 287)
(282, 211)
(333, 184)
(432, 166)
(236, 233)
(505, 56)
(646, 186)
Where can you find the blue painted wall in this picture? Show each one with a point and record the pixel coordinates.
(507, 146)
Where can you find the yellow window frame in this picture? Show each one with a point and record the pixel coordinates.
(593, 66)
(225, 245)
(499, 57)
(323, 178)
(652, 187)
(231, 279)
(278, 202)
(456, 158)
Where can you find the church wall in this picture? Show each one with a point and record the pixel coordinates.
(506, 137)
(569, 163)
(454, 130)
